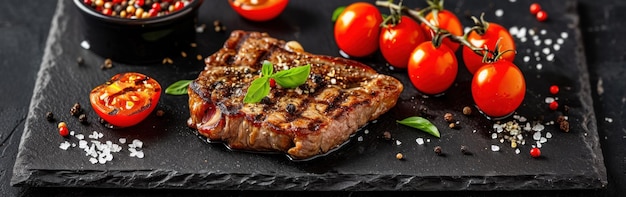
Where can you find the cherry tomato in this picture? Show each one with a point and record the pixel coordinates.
(432, 70)
(126, 99)
(259, 10)
(445, 20)
(493, 33)
(535, 152)
(357, 29)
(534, 8)
(542, 16)
(398, 41)
(498, 88)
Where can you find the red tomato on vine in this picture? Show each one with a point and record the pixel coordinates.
(444, 20)
(357, 29)
(498, 88)
(398, 41)
(493, 33)
(432, 70)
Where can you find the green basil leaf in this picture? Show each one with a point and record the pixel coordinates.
(337, 12)
(258, 89)
(178, 88)
(267, 69)
(421, 124)
(293, 77)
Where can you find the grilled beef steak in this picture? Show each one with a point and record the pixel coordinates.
(338, 98)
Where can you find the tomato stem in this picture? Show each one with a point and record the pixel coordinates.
(435, 6)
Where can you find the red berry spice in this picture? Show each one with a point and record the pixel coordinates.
(63, 131)
(542, 16)
(534, 8)
(554, 89)
(156, 6)
(535, 152)
(554, 105)
(179, 5)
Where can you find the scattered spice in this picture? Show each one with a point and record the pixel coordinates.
(564, 126)
(82, 118)
(387, 135)
(183, 54)
(108, 63)
(63, 130)
(167, 60)
(554, 105)
(50, 116)
(291, 108)
(464, 150)
(199, 57)
(448, 117)
(193, 45)
(438, 151)
(160, 113)
(467, 110)
(535, 152)
(452, 125)
(399, 156)
(218, 26)
(80, 61)
(554, 89)
(76, 110)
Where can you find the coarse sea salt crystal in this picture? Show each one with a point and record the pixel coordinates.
(538, 127)
(65, 145)
(550, 57)
(366, 131)
(549, 99)
(547, 41)
(517, 151)
(420, 141)
(398, 142)
(495, 148)
(494, 136)
(122, 140)
(556, 47)
(537, 135)
(499, 12)
(539, 66)
(360, 138)
(543, 32)
(564, 35)
(560, 41)
(543, 140)
(85, 44)
(548, 135)
(546, 50)
(526, 58)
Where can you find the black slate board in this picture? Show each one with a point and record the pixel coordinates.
(177, 159)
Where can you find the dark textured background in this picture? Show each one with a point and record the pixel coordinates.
(24, 28)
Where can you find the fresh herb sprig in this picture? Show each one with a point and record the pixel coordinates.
(289, 78)
(178, 88)
(421, 124)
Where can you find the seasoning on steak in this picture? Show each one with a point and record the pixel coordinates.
(338, 98)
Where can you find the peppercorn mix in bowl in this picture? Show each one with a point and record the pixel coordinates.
(138, 31)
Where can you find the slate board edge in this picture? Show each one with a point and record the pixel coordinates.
(24, 176)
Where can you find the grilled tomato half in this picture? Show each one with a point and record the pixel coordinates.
(126, 99)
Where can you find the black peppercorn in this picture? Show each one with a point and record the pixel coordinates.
(50, 116)
(438, 151)
(82, 119)
(75, 110)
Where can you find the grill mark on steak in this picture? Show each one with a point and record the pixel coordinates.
(338, 98)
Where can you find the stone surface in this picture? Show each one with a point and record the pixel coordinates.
(176, 158)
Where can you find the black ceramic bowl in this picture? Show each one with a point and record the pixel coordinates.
(139, 41)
